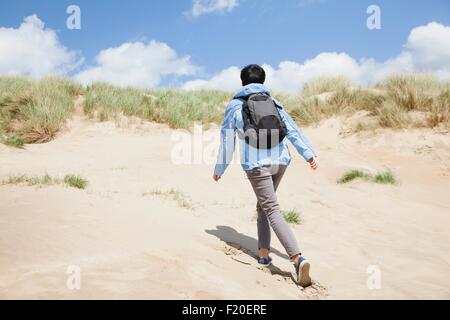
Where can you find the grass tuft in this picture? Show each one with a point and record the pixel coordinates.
(14, 141)
(386, 177)
(40, 181)
(352, 175)
(182, 200)
(45, 180)
(292, 216)
(75, 181)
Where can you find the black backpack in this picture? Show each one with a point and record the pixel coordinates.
(263, 126)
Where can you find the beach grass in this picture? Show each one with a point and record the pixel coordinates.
(14, 141)
(176, 195)
(175, 107)
(384, 177)
(353, 175)
(75, 181)
(392, 103)
(34, 111)
(45, 180)
(292, 216)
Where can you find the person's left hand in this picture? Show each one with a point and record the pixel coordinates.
(216, 178)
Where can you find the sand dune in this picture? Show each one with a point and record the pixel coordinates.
(129, 243)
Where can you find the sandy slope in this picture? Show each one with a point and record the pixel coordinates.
(130, 245)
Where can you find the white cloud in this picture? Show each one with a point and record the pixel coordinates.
(228, 79)
(32, 50)
(202, 7)
(290, 76)
(427, 50)
(137, 64)
(430, 48)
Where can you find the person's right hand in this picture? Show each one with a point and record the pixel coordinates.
(313, 163)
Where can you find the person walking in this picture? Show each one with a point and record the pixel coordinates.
(263, 126)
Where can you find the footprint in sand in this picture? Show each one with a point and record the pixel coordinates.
(248, 257)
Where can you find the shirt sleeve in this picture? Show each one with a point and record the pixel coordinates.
(296, 137)
(227, 140)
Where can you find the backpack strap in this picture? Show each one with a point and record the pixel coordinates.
(245, 98)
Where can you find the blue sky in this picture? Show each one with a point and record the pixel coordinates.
(260, 31)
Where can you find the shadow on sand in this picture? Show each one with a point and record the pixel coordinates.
(249, 246)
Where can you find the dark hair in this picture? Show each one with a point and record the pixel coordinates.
(253, 74)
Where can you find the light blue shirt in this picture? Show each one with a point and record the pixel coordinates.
(252, 157)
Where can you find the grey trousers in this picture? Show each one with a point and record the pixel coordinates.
(265, 181)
